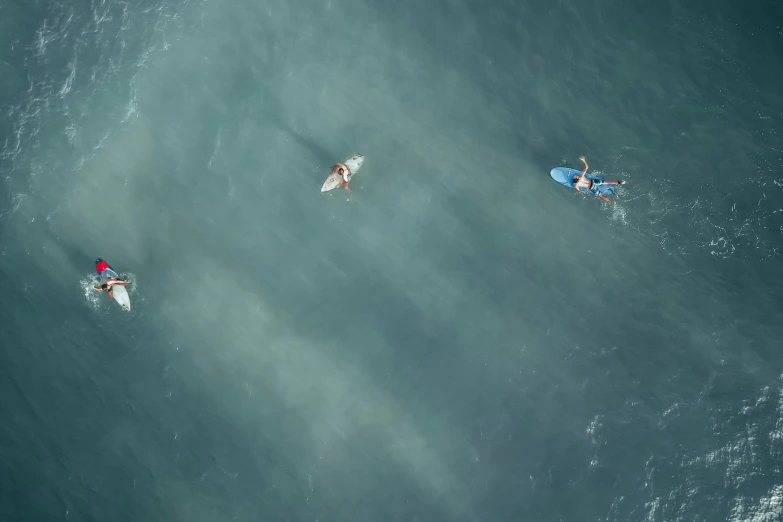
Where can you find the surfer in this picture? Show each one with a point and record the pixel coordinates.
(109, 277)
(590, 184)
(342, 174)
(108, 284)
(342, 177)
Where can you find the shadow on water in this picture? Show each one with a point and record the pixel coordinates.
(319, 153)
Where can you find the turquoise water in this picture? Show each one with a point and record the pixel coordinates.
(464, 339)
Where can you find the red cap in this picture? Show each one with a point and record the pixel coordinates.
(101, 265)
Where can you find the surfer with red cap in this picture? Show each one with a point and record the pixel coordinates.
(109, 277)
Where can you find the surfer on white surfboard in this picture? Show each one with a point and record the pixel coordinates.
(345, 175)
(590, 184)
(342, 173)
(109, 279)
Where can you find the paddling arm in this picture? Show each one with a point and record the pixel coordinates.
(579, 178)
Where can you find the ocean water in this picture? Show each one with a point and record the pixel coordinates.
(463, 340)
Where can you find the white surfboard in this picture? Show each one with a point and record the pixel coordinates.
(121, 296)
(354, 163)
(335, 179)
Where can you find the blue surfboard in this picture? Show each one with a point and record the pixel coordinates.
(564, 175)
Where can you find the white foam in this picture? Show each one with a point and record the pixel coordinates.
(768, 508)
(92, 295)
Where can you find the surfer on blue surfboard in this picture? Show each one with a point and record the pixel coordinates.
(584, 182)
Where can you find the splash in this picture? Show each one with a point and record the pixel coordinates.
(687, 219)
(91, 295)
(619, 214)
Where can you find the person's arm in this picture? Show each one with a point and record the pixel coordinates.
(579, 177)
(606, 199)
(122, 282)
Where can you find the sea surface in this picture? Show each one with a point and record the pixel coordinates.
(463, 340)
